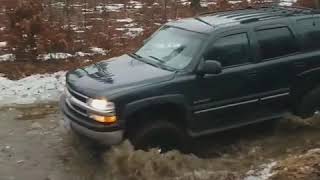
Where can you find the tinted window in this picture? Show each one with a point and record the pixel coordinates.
(310, 29)
(276, 42)
(230, 50)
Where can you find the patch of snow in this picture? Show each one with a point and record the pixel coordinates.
(99, 51)
(287, 2)
(2, 28)
(136, 4)
(206, 4)
(7, 57)
(264, 172)
(130, 25)
(56, 56)
(131, 32)
(82, 54)
(234, 2)
(184, 2)
(32, 89)
(58, 4)
(50, 56)
(3, 44)
(110, 7)
(125, 20)
(78, 5)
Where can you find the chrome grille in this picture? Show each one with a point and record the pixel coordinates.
(78, 103)
(78, 97)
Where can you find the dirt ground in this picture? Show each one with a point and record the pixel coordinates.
(35, 146)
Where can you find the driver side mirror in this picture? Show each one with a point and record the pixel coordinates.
(210, 67)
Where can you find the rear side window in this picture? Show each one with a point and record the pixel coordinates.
(276, 42)
(310, 29)
(230, 50)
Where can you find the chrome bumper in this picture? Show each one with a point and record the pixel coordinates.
(106, 138)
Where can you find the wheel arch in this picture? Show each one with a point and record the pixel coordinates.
(159, 105)
(303, 83)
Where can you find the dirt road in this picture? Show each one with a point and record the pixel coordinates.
(35, 146)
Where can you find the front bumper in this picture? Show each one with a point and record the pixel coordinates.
(104, 134)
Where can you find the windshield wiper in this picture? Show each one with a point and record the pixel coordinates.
(145, 60)
(135, 55)
(159, 65)
(158, 59)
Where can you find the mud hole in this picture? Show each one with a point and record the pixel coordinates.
(34, 145)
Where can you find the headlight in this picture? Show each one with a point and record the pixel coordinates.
(101, 104)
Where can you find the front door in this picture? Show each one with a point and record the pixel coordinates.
(224, 100)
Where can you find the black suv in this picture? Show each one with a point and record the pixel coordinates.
(201, 75)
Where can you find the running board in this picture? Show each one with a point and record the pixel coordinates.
(216, 130)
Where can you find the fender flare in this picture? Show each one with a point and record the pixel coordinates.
(305, 81)
(175, 99)
(310, 72)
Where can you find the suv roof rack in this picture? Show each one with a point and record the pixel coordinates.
(229, 10)
(281, 11)
(272, 6)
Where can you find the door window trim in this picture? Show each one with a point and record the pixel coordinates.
(250, 46)
(275, 26)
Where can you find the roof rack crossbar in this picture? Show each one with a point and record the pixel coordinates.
(226, 11)
(276, 14)
(203, 21)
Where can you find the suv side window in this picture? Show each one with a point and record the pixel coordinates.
(276, 42)
(310, 29)
(230, 50)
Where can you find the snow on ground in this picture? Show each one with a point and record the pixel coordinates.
(60, 55)
(110, 7)
(125, 20)
(7, 57)
(32, 89)
(3, 44)
(287, 2)
(50, 56)
(206, 4)
(131, 32)
(98, 51)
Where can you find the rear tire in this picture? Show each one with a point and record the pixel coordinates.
(310, 104)
(160, 134)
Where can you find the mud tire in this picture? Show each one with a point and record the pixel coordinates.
(159, 134)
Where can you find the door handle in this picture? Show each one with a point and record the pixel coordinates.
(252, 73)
(299, 64)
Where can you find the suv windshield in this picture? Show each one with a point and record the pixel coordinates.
(172, 47)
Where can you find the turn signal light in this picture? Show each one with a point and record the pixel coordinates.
(105, 119)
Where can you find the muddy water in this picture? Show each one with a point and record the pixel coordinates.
(33, 145)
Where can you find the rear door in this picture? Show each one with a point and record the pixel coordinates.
(309, 31)
(278, 48)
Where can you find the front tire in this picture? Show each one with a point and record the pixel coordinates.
(160, 134)
(310, 104)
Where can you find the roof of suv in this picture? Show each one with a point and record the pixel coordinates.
(208, 22)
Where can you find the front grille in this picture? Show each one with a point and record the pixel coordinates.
(77, 95)
(74, 107)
